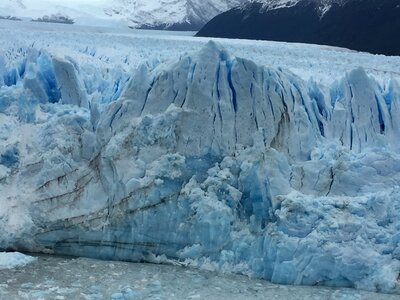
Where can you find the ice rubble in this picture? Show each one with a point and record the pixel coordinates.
(212, 161)
(54, 277)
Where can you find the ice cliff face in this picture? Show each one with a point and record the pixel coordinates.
(211, 161)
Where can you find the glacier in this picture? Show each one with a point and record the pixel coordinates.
(208, 160)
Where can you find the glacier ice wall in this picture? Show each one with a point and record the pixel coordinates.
(211, 161)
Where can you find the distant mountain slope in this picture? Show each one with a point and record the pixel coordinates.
(155, 14)
(322, 5)
(364, 25)
(172, 14)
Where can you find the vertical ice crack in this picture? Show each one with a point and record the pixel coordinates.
(234, 100)
(332, 175)
(114, 115)
(218, 75)
(231, 86)
(147, 96)
(380, 115)
(254, 103)
(217, 81)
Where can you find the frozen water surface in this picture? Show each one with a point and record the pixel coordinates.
(53, 277)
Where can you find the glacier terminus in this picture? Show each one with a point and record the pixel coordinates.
(127, 147)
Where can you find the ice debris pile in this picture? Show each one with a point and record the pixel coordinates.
(211, 161)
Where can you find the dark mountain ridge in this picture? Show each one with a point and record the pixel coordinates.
(363, 25)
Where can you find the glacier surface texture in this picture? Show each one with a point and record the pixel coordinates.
(210, 160)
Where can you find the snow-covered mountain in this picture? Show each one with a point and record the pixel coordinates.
(172, 14)
(363, 25)
(186, 14)
(323, 5)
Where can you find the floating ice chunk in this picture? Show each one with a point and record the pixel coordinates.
(10, 260)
